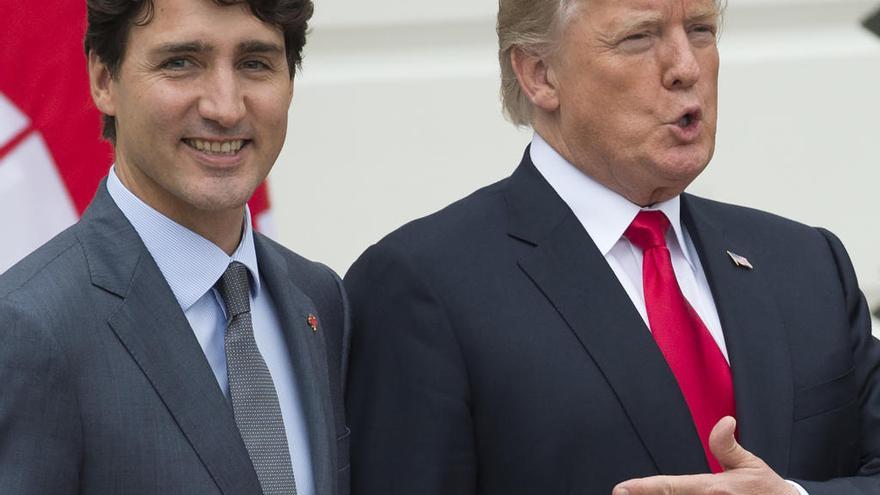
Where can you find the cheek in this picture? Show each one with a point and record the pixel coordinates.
(629, 102)
(160, 112)
(709, 68)
(274, 117)
(271, 111)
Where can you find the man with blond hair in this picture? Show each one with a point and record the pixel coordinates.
(586, 327)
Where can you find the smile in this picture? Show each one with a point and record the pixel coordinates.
(230, 147)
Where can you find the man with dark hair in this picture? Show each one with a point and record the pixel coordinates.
(160, 345)
(584, 326)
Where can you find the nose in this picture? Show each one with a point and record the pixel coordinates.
(681, 69)
(222, 101)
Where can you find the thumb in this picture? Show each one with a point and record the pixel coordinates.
(726, 449)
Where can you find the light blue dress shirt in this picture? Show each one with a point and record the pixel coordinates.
(192, 265)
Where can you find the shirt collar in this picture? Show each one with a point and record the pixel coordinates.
(190, 263)
(604, 213)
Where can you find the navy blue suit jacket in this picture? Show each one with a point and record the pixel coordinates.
(495, 352)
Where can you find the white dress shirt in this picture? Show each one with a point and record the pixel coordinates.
(192, 265)
(606, 215)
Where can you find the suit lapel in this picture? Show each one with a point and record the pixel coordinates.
(308, 358)
(569, 269)
(754, 334)
(152, 327)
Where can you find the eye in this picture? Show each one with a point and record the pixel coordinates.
(177, 63)
(636, 42)
(703, 32)
(255, 65)
(636, 37)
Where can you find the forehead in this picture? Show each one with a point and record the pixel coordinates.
(626, 11)
(178, 21)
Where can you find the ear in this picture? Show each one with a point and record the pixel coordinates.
(100, 84)
(536, 79)
(292, 87)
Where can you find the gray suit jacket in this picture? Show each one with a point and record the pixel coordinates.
(105, 389)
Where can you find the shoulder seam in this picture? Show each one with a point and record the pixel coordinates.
(24, 283)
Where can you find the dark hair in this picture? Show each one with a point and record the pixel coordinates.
(110, 21)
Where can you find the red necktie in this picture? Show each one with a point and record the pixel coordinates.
(693, 355)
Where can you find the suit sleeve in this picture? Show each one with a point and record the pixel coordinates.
(866, 355)
(40, 431)
(408, 395)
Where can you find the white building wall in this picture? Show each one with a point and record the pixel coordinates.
(397, 114)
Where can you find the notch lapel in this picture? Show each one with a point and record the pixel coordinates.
(568, 268)
(754, 333)
(308, 358)
(154, 330)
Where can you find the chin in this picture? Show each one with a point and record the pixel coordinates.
(222, 200)
(684, 167)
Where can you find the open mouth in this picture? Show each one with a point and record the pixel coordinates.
(689, 118)
(227, 147)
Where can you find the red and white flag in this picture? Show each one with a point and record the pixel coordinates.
(51, 154)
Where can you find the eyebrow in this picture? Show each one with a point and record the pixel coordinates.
(255, 46)
(638, 23)
(625, 25)
(648, 20)
(181, 47)
(705, 15)
(248, 46)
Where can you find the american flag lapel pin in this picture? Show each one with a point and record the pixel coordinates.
(312, 320)
(740, 261)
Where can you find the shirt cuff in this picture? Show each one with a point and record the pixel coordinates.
(799, 488)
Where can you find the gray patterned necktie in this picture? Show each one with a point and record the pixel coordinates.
(254, 400)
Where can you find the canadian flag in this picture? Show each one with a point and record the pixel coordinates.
(51, 154)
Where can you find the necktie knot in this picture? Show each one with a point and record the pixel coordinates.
(234, 288)
(648, 230)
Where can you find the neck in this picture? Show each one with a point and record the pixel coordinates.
(594, 167)
(223, 227)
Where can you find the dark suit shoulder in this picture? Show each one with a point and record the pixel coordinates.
(466, 222)
(747, 222)
(453, 257)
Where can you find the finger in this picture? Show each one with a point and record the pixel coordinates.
(665, 485)
(725, 448)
